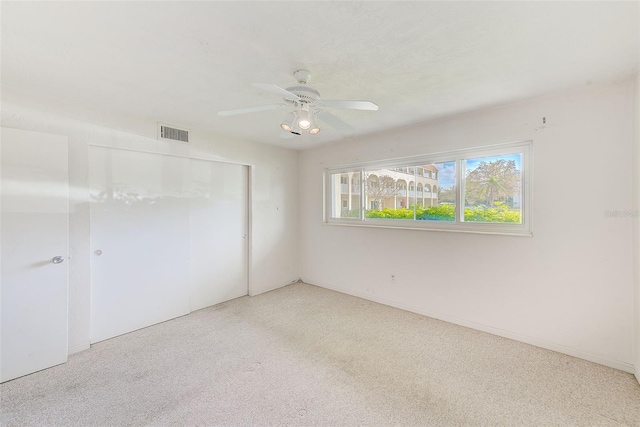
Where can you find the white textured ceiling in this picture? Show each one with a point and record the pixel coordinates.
(182, 62)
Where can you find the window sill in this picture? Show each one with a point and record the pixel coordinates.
(472, 229)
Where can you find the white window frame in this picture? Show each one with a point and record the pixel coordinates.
(524, 148)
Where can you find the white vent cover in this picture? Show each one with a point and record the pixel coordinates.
(172, 133)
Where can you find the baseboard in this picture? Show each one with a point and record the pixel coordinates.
(602, 360)
(78, 348)
(273, 288)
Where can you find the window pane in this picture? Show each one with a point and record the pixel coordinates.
(493, 189)
(411, 192)
(345, 195)
(388, 193)
(438, 199)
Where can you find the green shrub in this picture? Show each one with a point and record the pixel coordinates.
(437, 213)
(390, 213)
(498, 214)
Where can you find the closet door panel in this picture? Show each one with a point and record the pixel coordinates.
(218, 232)
(139, 240)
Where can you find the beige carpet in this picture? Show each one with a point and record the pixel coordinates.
(302, 355)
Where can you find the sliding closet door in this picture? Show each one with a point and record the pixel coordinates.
(218, 232)
(168, 236)
(139, 240)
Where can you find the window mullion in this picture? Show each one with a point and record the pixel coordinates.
(415, 190)
(460, 172)
(363, 197)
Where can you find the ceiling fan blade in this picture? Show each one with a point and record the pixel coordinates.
(277, 90)
(250, 109)
(333, 121)
(351, 105)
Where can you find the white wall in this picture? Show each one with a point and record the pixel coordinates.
(274, 260)
(567, 288)
(636, 220)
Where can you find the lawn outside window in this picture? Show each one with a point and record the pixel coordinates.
(480, 190)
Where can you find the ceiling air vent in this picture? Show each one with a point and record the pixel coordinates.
(173, 134)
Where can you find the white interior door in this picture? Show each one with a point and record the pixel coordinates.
(139, 240)
(34, 248)
(218, 232)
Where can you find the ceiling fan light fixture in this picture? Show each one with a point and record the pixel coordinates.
(304, 120)
(295, 131)
(304, 124)
(313, 128)
(289, 122)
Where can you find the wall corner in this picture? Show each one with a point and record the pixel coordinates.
(635, 200)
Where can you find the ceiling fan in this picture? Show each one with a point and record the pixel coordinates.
(306, 106)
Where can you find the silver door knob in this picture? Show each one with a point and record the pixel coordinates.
(57, 259)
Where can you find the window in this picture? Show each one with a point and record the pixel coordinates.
(484, 190)
(345, 198)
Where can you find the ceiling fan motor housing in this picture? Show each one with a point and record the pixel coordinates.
(307, 94)
(302, 76)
